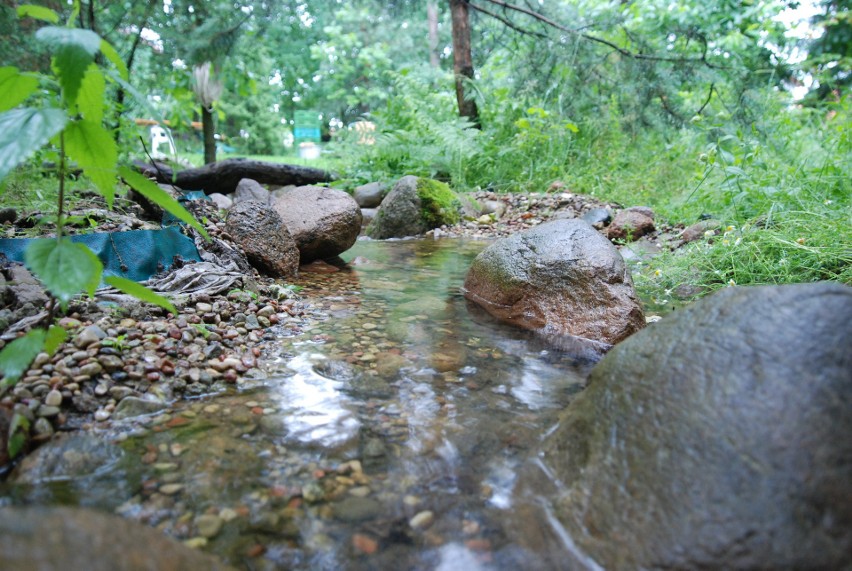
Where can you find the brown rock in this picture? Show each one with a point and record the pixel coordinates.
(324, 222)
(265, 239)
(560, 278)
(630, 224)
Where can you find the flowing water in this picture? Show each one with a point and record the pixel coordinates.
(385, 436)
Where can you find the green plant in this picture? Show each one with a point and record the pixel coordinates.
(70, 117)
(116, 343)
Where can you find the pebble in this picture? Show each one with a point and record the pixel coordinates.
(208, 525)
(364, 544)
(171, 489)
(101, 415)
(422, 520)
(53, 398)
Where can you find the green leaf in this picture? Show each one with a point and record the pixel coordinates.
(55, 337)
(64, 267)
(152, 192)
(88, 143)
(90, 102)
(24, 131)
(112, 55)
(38, 13)
(19, 430)
(140, 292)
(73, 50)
(15, 87)
(15, 358)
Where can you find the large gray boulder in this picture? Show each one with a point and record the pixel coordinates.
(561, 278)
(718, 438)
(414, 206)
(259, 231)
(324, 222)
(65, 538)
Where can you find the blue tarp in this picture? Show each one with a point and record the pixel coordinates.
(136, 254)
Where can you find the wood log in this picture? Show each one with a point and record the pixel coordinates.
(223, 176)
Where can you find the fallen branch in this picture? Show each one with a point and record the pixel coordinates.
(223, 176)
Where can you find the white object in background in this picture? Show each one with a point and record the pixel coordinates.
(159, 137)
(309, 151)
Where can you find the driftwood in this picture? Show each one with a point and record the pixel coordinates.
(223, 176)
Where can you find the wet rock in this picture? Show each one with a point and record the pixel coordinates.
(249, 189)
(89, 335)
(24, 288)
(495, 207)
(9, 215)
(208, 525)
(324, 222)
(263, 236)
(598, 217)
(355, 509)
(369, 195)
(67, 457)
(698, 230)
(631, 224)
(221, 201)
(56, 539)
(134, 406)
(718, 438)
(411, 209)
(561, 277)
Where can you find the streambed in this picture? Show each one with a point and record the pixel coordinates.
(386, 434)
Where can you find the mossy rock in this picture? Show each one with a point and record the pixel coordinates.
(415, 206)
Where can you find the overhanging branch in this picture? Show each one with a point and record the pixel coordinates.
(589, 37)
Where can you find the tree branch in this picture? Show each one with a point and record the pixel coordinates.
(508, 23)
(596, 39)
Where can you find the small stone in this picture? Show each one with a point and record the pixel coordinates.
(227, 514)
(364, 544)
(91, 369)
(313, 492)
(171, 489)
(43, 428)
(101, 415)
(89, 335)
(53, 398)
(208, 526)
(203, 307)
(360, 491)
(422, 520)
(196, 542)
(45, 411)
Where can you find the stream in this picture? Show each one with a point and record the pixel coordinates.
(387, 435)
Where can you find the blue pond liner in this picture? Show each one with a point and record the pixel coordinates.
(136, 254)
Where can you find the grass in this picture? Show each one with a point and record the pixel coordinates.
(326, 161)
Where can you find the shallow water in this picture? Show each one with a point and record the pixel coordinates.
(386, 436)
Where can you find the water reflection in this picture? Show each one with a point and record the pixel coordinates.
(312, 406)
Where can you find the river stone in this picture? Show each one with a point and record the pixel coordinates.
(250, 189)
(631, 224)
(62, 538)
(259, 231)
(221, 201)
(598, 217)
(67, 457)
(401, 213)
(324, 222)
(559, 278)
(717, 438)
(135, 406)
(369, 195)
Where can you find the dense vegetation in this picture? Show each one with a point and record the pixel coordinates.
(684, 106)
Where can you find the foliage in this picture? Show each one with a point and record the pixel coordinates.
(72, 118)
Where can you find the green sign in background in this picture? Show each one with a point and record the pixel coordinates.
(307, 127)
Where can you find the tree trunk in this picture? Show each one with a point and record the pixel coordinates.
(209, 130)
(462, 60)
(432, 18)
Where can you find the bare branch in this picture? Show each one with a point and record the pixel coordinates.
(591, 38)
(506, 21)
